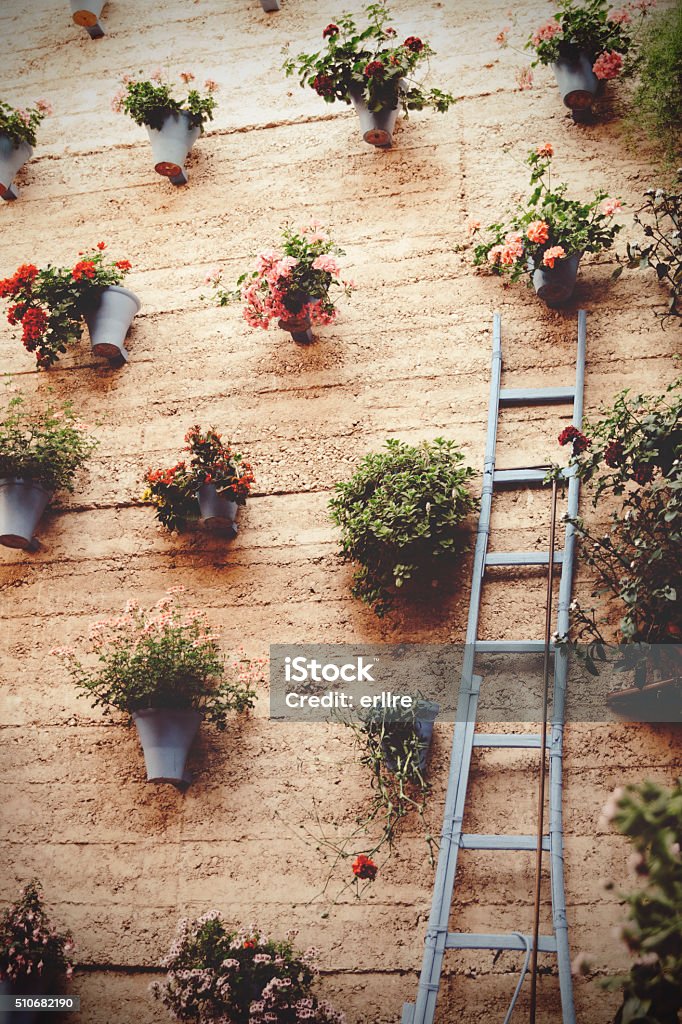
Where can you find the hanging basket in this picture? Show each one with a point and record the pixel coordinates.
(171, 143)
(22, 503)
(377, 127)
(555, 285)
(12, 159)
(166, 736)
(109, 320)
(217, 511)
(577, 82)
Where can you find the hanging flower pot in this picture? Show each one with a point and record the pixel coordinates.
(12, 159)
(171, 143)
(555, 285)
(109, 320)
(86, 14)
(421, 727)
(577, 82)
(270, 5)
(166, 734)
(299, 327)
(22, 503)
(218, 511)
(377, 127)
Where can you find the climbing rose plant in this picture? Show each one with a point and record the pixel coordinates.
(548, 228)
(401, 515)
(173, 491)
(370, 61)
(30, 945)
(149, 101)
(50, 303)
(217, 973)
(166, 656)
(20, 124)
(660, 219)
(292, 282)
(651, 817)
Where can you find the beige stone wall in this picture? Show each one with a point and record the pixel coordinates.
(409, 356)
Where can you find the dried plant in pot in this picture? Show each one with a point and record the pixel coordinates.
(369, 68)
(630, 460)
(35, 958)
(163, 666)
(547, 236)
(40, 453)
(18, 129)
(52, 304)
(211, 484)
(293, 284)
(220, 972)
(401, 516)
(173, 125)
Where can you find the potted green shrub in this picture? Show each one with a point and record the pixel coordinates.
(211, 484)
(40, 453)
(291, 284)
(173, 124)
(35, 958)
(660, 218)
(86, 13)
(369, 68)
(401, 516)
(53, 303)
(548, 235)
(631, 458)
(656, 106)
(586, 43)
(17, 138)
(163, 667)
(218, 972)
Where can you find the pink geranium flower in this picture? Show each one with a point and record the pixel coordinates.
(609, 206)
(538, 231)
(608, 65)
(556, 252)
(546, 32)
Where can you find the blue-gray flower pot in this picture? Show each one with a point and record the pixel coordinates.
(577, 82)
(377, 128)
(426, 715)
(109, 320)
(270, 5)
(555, 285)
(219, 512)
(22, 503)
(166, 736)
(12, 159)
(171, 143)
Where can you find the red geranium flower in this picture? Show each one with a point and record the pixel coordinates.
(331, 30)
(324, 85)
(84, 268)
(580, 442)
(123, 264)
(375, 69)
(643, 473)
(101, 245)
(414, 44)
(364, 867)
(33, 322)
(613, 454)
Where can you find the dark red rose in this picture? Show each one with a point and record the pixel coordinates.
(572, 435)
(331, 30)
(613, 454)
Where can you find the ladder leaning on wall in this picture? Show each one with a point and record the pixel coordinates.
(439, 938)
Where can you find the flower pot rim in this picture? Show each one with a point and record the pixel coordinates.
(124, 291)
(155, 710)
(24, 481)
(18, 145)
(177, 115)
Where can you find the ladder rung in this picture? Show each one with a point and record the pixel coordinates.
(472, 841)
(473, 940)
(522, 558)
(511, 646)
(529, 740)
(525, 476)
(536, 396)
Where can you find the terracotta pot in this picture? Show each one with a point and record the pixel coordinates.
(377, 128)
(577, 82)
(217, 510)
(166, 736)
(555, 285)
(12, 159)
(171, 143)
(109, 321)
(22, 503)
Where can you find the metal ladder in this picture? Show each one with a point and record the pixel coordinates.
(439, 938)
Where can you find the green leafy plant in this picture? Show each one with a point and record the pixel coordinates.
(20, 125)
(592, 27)
(173, 492)
(633, 453)
(149, 101)
(400, 515)
(656, 106)
(30, 945)
(47, 447)
(50, 303)
(371, 63)
(216, 972)
(662, 251)
(549, 227)
(162, 657)
(650, 816)
(291, 283)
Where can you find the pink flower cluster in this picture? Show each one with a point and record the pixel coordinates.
(546, 32)
(610, 206)
(508, 253)
(608, 65)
